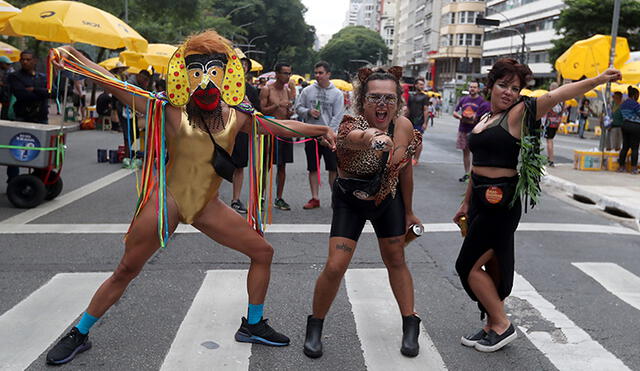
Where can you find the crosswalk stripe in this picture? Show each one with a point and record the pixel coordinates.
(568, 347)
(379, 324)
(617, 280)
(43, 316)
(205, 339)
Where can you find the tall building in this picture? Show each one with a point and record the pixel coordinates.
(529, 18)
(364, 13)
(387, 24)
(416, 36)
(352, 14)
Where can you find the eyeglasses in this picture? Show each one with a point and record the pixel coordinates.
(386, 99)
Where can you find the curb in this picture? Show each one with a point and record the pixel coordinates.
(600, 200)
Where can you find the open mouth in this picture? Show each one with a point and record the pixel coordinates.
(207, 99)
(381, 115)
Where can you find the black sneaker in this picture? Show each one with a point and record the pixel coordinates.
(471, 340)
(260, 333)
(492, 341)
(552, 164)
(68, 347)
(464, 178)
(238, 206)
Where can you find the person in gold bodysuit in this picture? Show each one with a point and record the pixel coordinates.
(206, 77)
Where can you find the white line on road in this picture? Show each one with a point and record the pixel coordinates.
(66, 199)
(205, 339)
(39, 319)
(617, 280)
(305, 228)
(379, 324)
(568, 347)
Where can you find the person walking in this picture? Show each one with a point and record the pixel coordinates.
(320, 104)
(583, 114)
(492, 202)
(630, 110)
(469, 109)
(418, 112)
(276, 100)
(375, 183)
(551, 122)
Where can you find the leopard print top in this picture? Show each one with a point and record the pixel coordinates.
(365, 163)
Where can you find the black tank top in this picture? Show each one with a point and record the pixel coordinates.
(495, 146)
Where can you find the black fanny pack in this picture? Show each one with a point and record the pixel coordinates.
(360, 188)
(495, 195)
(221, 161)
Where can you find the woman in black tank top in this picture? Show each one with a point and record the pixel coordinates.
(492, 206)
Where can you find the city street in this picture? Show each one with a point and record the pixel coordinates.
(576, 296)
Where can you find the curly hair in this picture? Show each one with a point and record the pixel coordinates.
(361, 89)
(510, 69)
(206, 42)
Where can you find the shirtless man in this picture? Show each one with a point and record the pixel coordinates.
(276, 100)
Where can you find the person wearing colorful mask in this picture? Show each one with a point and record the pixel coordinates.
(202, 116)
(375, 182)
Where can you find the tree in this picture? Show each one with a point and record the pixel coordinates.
(582, 19)
(350, 44)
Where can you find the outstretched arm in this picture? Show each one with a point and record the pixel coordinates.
(568, 91)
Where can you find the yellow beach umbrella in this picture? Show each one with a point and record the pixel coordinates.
(433, 94)
(342, 85)
(157, 55)
(9, 52)
(538, 93)
(615, 87)
(296, 78)
(631, 73)
(571, 103)
(111, 63)
(526, 92)
(590, 57)
(7, 11)
(591, 94)
(256, 66)
(71, 21)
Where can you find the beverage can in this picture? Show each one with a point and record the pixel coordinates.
(415, 231)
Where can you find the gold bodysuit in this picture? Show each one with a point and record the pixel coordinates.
(191, 179)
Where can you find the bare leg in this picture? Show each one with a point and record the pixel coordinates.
(332, 178)
(238, 178)
(340, 253)
(313, 183)
(141, 243)
(466, 159)
(225, 226)
(484, 288)
(550, 149)
(280, 179)
(416, 156)
(392, 251)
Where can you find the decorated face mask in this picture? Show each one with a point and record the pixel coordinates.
(205, 79)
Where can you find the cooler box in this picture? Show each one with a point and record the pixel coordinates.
(587, 160)
(26, 134)
(611, 160)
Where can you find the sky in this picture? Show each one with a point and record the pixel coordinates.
(326, 15)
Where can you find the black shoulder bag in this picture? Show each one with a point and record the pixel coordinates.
(222, 162)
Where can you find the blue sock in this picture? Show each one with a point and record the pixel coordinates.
(85, 323)
(255, 313)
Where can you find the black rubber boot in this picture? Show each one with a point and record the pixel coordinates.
(313, 338)
(410, 332)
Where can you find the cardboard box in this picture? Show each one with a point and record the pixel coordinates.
(587, 160)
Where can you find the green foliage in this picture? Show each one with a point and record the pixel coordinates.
(352, 43)
(585, 18)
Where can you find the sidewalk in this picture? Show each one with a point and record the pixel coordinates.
(607, 189)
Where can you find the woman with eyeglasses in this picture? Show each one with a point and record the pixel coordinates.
(506, 166)
(375, 182)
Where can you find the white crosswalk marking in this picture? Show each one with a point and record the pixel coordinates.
(617, 280)
(568, 347)
(379, 324)
(205, 339)
(43, 316)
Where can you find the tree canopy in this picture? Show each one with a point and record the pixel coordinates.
(351, 48)
(582, 19)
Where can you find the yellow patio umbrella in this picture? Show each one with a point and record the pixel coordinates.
(615, 87)
(7, 11)
(296, 78)
(591, 94)
(9, 51)
(72, 21)
(256, 66)
(526, 92)
(631, 73)
(342, 85)
(157, 55)
(111, 63)
(433, 94)
(590, 57)
(571, 103)
(538, 93)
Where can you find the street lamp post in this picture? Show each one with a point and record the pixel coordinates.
(495, 22)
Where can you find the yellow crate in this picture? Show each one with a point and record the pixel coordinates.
(611, 161)
(587, 160)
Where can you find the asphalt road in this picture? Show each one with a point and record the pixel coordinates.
(570, 315)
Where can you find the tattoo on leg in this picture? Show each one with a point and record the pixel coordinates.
(344, 247)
